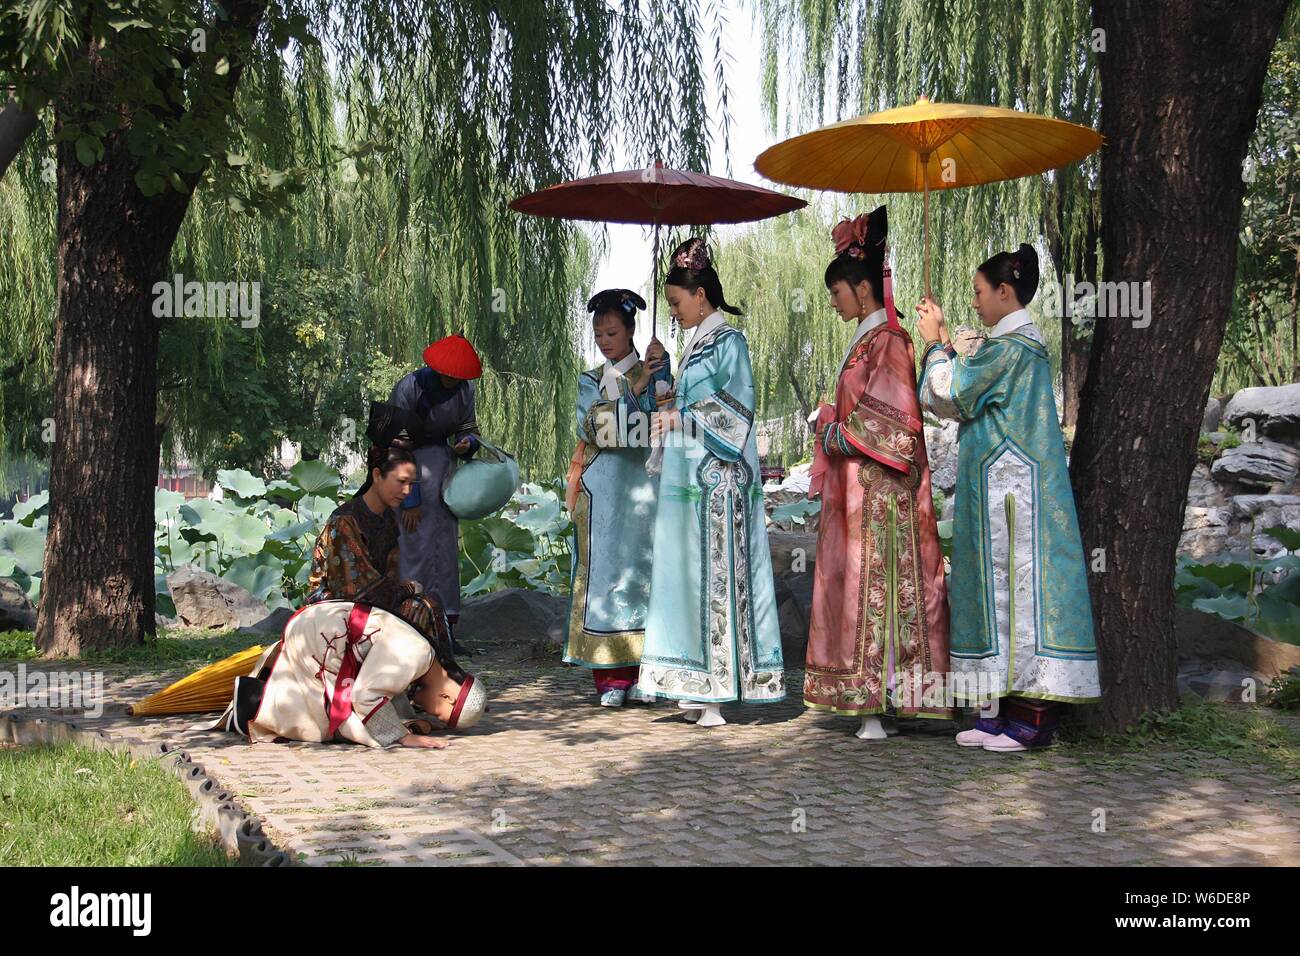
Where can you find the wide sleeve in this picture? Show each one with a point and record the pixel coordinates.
(341, 568)
(468, 428)
(599, 417)
(723, 417)
(962, 387)
(884, 422)
(395, 661)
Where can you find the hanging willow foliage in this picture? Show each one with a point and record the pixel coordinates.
(827, 60)
(382, 160)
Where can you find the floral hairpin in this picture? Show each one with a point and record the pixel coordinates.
(694, 256)
(850, 237)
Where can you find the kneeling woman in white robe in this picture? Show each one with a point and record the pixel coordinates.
(712, 634)
(352, 672)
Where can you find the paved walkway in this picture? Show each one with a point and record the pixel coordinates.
(549, 778)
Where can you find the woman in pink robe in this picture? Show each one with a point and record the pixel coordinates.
(878, 641)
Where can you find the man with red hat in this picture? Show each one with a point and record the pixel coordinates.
(441, 397)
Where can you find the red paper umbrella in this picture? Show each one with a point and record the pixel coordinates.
(657, 196)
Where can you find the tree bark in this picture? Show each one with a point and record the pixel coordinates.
(1181, 85)
(114, 244)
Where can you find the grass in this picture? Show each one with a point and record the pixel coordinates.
(167, 649)
(68, 805)
(1197, 730)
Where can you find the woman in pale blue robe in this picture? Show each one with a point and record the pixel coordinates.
(712, 634)
(1021, 616)
(612, 500)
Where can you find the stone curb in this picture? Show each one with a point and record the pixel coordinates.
(238, 831)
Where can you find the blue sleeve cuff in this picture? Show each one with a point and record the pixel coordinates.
(474, 446)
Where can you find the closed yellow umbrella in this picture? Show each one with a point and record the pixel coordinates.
(926, 146)
(207, 689)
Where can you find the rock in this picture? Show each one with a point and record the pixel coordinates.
(941, 447)
(949, 508)
(793, 619)
(1203, 491)
(162, 621)
(1207, 643)
(203, 599)
(1227, 683)
(1274, 409)
(1213, 415)
(787, 547)
(512, 615)
(272, 624)
(1261, 463)
(16, 612)
(1205, 531)
(1249, 506)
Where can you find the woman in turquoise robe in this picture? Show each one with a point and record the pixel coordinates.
(612, 500)
(1021, 617)
(712, 634)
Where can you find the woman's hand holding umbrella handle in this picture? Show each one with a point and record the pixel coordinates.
(930, 321)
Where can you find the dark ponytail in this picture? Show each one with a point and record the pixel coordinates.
(692, 269)
(1017, 269)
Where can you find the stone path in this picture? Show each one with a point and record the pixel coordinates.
(550, 778)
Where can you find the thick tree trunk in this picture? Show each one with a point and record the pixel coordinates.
(1181, 83)
(113, 246)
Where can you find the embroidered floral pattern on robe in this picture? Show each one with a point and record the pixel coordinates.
(878, 639)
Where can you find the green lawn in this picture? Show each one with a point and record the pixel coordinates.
(67, 805)
(169, 648)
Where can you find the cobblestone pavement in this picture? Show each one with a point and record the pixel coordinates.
(549, 777)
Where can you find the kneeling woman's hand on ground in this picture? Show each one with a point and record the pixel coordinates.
(421, 741)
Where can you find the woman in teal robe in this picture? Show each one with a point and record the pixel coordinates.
(712, 634)
(1021, 617)
(612, 500)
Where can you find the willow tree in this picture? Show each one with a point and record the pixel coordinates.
(826, 60)
(472, 102)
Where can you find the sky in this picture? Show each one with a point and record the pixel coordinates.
(626, 263)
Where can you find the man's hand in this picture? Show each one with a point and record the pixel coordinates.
(461, 446)
(420, 742)
(411, 519)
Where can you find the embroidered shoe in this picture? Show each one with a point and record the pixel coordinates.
(612, 698)
(976, 738)
(635, 695)
(1004, 744)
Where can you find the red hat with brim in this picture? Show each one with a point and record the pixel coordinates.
(453, 356)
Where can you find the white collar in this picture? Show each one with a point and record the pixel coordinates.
(864, 326)
(1010, 322)
(613, 371)
(712, 321)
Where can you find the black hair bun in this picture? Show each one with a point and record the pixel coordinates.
(607, 300)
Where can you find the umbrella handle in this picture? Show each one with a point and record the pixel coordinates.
(654, 287)
(925, 180)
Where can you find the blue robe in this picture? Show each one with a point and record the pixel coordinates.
(1013, 521)
(431, 553)
(613, 522)
(712, 633)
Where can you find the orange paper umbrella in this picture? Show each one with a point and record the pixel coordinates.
(208, 689)
(927, 146)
